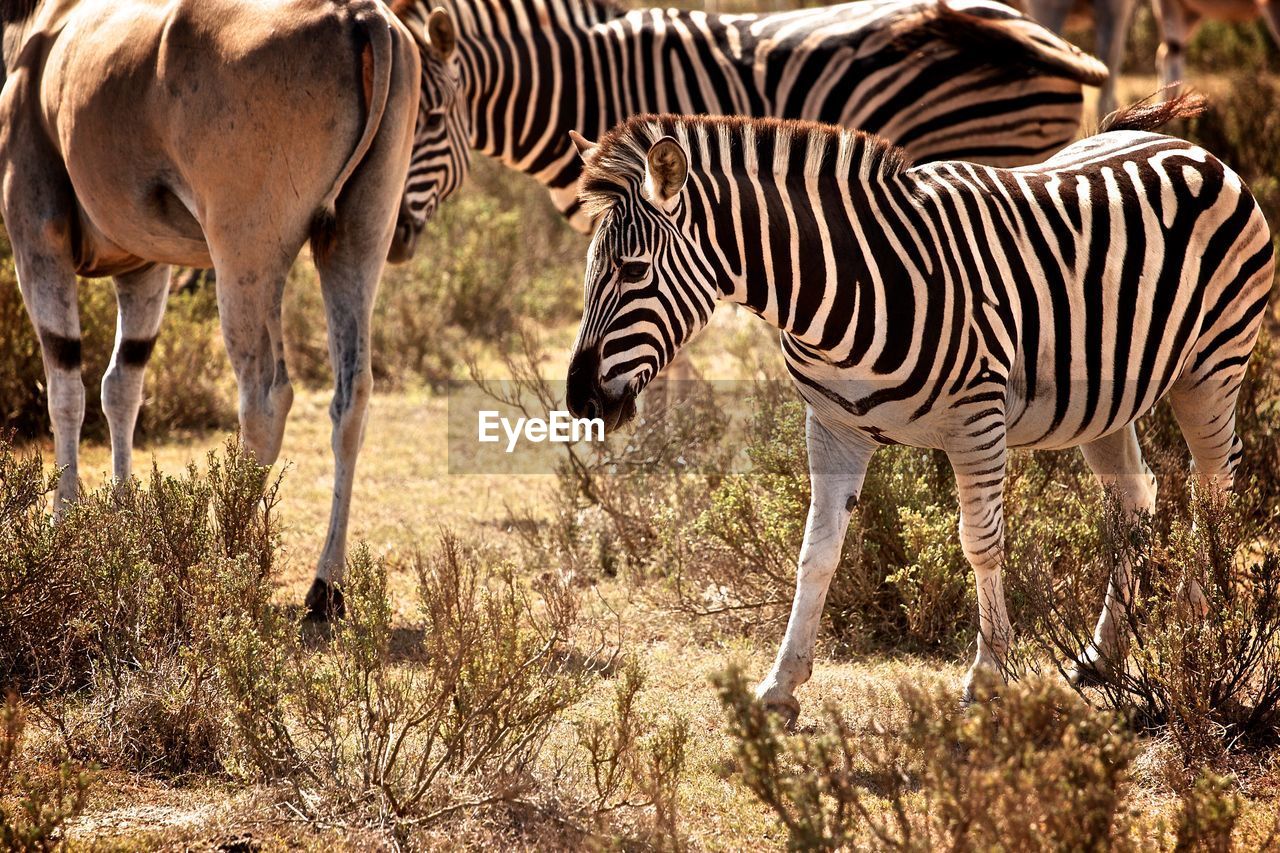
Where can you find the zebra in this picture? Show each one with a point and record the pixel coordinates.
(951, 306)
(510, 78)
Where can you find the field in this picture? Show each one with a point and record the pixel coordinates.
(574, 642)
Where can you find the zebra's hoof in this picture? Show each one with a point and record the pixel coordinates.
(786, 708)
(1093, 668)
(1086, 674)
(325, 602)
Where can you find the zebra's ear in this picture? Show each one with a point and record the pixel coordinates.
(441, 35)
(586, 148)
(666, 170)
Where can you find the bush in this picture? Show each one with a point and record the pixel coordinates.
(34, 808)
(901, 578)
(110, 614)
(1028, 767)
(1211, 675)
(461, 725)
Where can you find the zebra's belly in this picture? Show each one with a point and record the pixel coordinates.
(1057, 416)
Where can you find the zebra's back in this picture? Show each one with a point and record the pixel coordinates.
(1126, 264)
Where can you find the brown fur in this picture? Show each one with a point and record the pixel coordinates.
(1147, 116)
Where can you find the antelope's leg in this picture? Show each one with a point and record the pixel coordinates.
(140, 300)
(49, 291)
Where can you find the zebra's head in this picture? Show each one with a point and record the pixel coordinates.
(649, 287)
(442, 141)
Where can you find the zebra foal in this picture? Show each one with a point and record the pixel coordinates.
(951, 306)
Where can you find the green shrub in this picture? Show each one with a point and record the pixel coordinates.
(901, 578)
(110, 615)
(1028, 767)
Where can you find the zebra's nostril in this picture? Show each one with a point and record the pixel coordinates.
(592, 408)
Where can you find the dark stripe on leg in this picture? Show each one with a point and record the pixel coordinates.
(64, 352)
(136, 353)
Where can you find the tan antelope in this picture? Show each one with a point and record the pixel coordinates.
(1176, 20)
(139, 134)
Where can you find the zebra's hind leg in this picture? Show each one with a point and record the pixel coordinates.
(1206, 413)
(1116, 460)
(980, 486)
(837, 468)
(140, 299)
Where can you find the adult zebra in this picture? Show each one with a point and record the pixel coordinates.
(510, 78)
(950, 306)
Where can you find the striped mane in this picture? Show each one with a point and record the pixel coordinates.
(619, 162)
(404, 7)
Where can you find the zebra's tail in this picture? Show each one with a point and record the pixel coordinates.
(1147, 116)
(1003, 37)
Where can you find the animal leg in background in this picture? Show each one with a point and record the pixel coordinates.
(140, 300)
(1177, 24)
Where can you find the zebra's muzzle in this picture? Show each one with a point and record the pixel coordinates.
(586, 398)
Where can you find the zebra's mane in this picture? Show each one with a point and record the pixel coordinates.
(618, 165)
(422, 8)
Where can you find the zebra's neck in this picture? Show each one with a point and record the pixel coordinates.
(792, 213)
(536, 69)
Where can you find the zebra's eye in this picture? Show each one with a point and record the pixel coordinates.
(434, 120)
(633, 271)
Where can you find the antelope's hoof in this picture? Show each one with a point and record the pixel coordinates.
(782, 705)
(325, 602)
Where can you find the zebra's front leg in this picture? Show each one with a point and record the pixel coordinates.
(980, 487)
(837, 468)
(140, 300)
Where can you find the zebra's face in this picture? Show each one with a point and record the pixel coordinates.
(648, 291)
(442, 141)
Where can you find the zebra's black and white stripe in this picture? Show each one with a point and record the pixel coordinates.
(972, 80)
(951, 306)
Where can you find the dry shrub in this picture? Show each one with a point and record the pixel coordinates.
(1029, 767)
(109, 615)
(34, 807)
(634, 760)
(454, 717)
(1211, 677)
